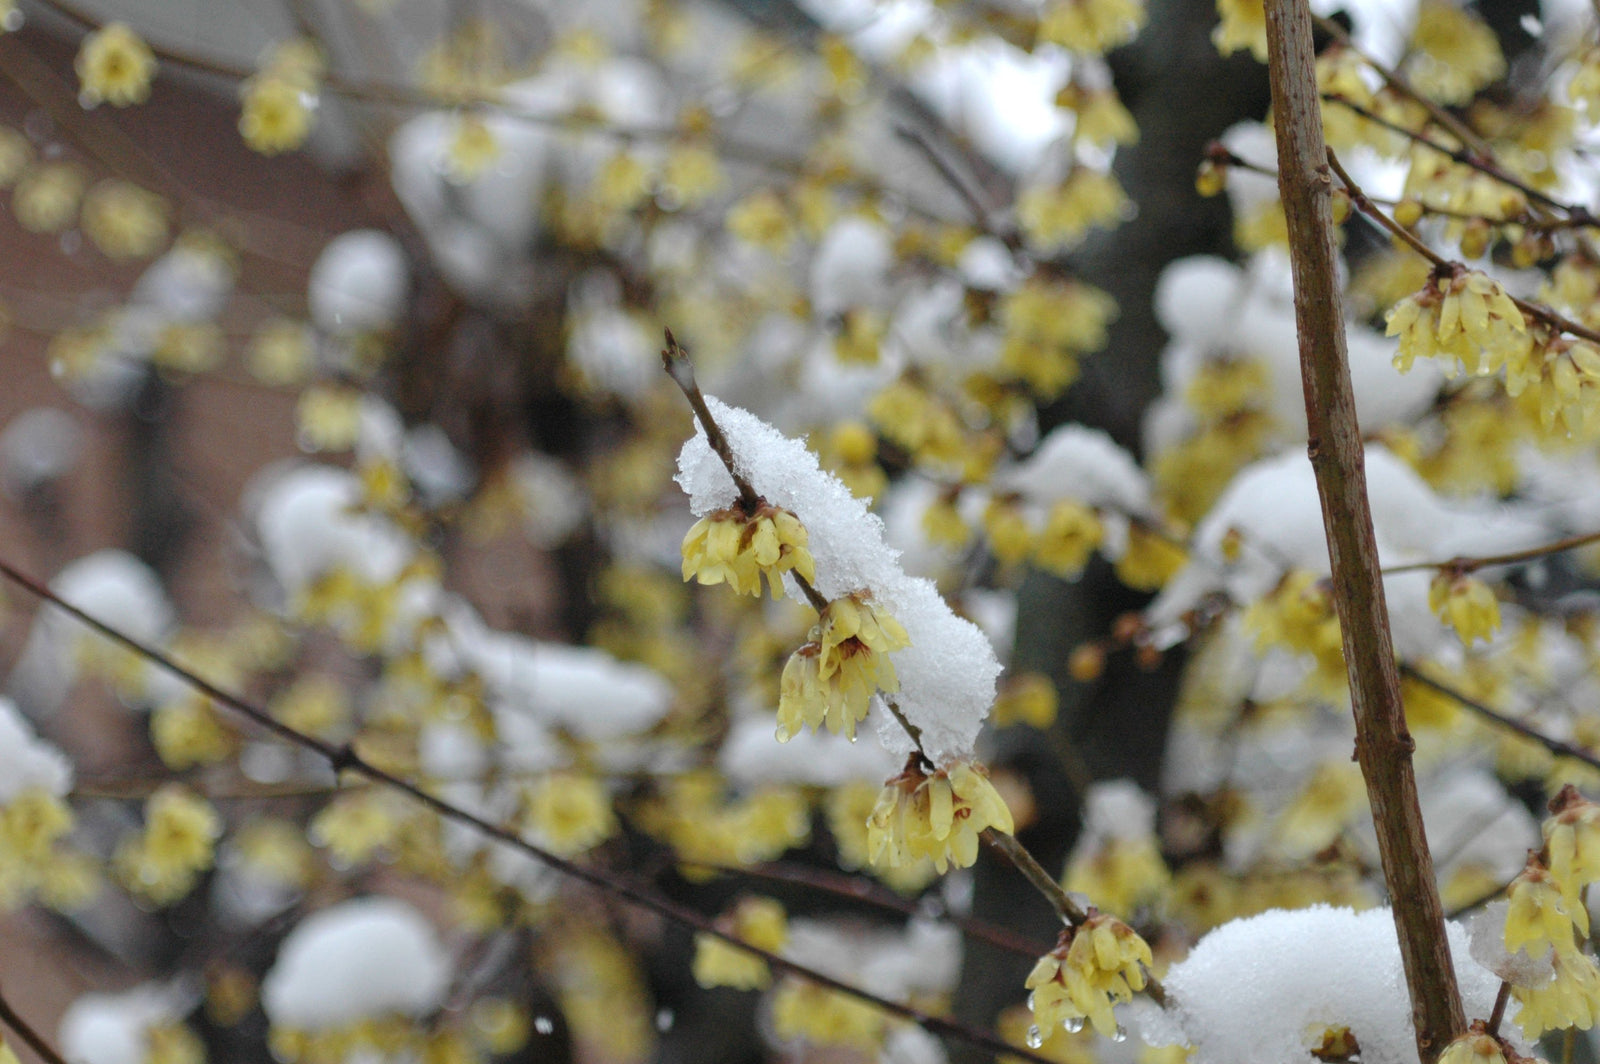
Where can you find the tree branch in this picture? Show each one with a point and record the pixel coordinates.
(346, 759)
(1383, 745)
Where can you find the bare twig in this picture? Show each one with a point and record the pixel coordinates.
(1468, 564)
(25, 1031)
(342, 759)
(1556, 746)
(1383, 745)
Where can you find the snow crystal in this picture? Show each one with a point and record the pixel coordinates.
(947, 674)
(1253, 990)
(358, 959)
(26, 761)
(111, 1028)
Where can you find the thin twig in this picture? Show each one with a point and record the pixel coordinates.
(1501, 1000)
(342, 759)
(1466, 564)
(1549, 742)
(1446, 267)
(32, 1038)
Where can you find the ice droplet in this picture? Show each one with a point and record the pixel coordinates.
(1035, 1037)
(543, 1024)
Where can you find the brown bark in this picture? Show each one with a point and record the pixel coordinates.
(1383, 745)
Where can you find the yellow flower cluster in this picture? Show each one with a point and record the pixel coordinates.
(1101, 118)
(1120, 874)
(831, 679)
(1090, 26)
(115, 65)
(1560, 375)
(162, 862)
(1047, 325)
(1070, 533)
(1298, 615)
(937, 816)
(1455, 53)
(732, 547)
(32, 861)
(758, 921)
(1547, 916)
(1057, 216)
(1092, 967)
(705, 826)
(909, 415)
(1463, 317)
(823, 1016)
(848, 807)
(1465, 604)
(1025, 698)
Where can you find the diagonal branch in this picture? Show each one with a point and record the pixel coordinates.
(1383, 745)
(345, 759)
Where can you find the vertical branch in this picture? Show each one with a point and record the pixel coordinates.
(1383, 745)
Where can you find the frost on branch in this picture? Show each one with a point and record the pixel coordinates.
(947, 674)
(1264, 990)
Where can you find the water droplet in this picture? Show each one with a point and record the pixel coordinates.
(88, 100)
(1030, 1001)
(1072, 1024)
(543, 1024)
(1035, 1037)
(1121, 1034)
(665, 1018)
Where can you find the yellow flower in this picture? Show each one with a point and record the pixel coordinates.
(729, 546)
(1054, 217)
(1456, 54)
(1465, 604)
(1540, 916)
(759, 921)
(1090, 26)
(1028, 698)
(1150, 559)
(1121, 875)
(761, 220)
(282, 351)
(1102, 120)
(1071, 533)
(1475, 1048)
(937, 816)
(1092, 967)
(571, 812)
(472, 148)
(123, 220)
(831, 679)
(328, 417)
(1243, 25)
(47, 196)
(177, 844)
(1572, 842)
(1464, 317)
(821, 1015)
(115, 65)
(1010, 537)
(276, 113)
(1570, 999)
